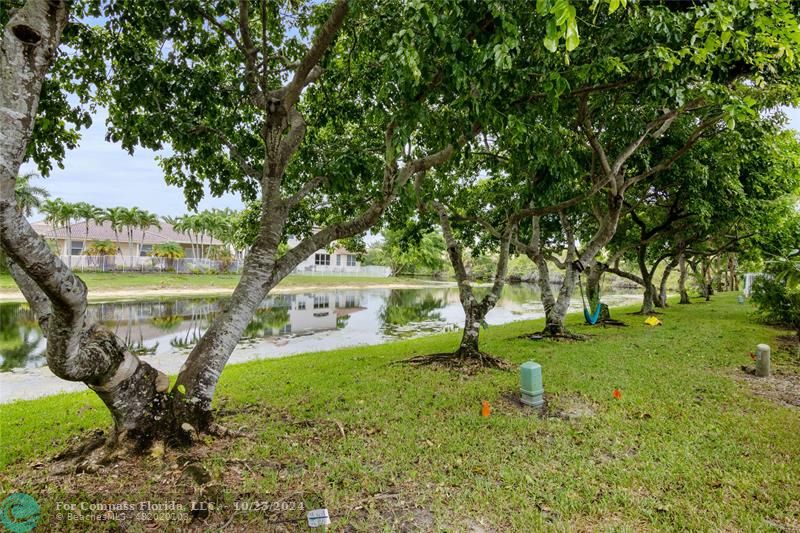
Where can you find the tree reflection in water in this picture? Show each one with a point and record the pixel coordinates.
(19, 338)
(340, 317)
(267, 322)
(408, 313)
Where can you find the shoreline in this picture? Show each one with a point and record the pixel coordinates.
(7, 296)
(29, 384)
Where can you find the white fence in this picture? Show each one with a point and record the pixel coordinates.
(119, 263)
(370, 271)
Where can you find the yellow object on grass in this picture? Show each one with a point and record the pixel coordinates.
(652, 321)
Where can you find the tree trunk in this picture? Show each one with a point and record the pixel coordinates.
(708, 285)
(648, 298)
(85, 238)
(593, 276)
(77, 350)
(130, 245)
(475, 310)
(198, 378)
(470, 345)
(684, 273)
(69, 245)
(733, 280)
(555, 309)
(662, 292)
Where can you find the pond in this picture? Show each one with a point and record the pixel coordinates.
(163, 331)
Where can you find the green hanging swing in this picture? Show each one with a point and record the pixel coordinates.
(593, 318)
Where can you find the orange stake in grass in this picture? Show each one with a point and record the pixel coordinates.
(617, 394)
(486, 409)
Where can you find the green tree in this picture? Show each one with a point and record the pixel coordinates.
(408, 253)
(130, 218)
(101, 248)
(331, 112)
(29, 197)
(147, 220)
(116, 218)
(169, 251)
(89, 214)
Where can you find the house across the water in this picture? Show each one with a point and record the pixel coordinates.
(136, 255)
(141, 246)
(337, 260)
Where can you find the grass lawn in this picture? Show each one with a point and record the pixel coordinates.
(121, 281)
(689, 445)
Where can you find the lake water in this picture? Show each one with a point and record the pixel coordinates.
(163, 331)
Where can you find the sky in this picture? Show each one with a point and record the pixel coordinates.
(104, 174)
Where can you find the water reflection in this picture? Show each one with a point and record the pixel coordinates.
(408, 313)
(289, 323)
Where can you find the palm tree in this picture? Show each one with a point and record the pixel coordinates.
(146, 221)
(188, 225)
(68, 213)
(100, 248)
(59, 215)
(115, 216)
(51, 209)
(56, 213)
(169, 251)
(88, 213)
(130, 219)
(29, 197)
(202, 224)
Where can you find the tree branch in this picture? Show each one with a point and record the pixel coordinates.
(233, 151)
(322, 40)
(668, 162)
(223, 30)
(250, 52)
(306, 189)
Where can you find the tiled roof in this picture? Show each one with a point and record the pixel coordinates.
(103, 232)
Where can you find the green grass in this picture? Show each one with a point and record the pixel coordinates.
(687, 446)
(122, 281)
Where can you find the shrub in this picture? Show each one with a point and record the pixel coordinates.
(98, 248)
(778, 302)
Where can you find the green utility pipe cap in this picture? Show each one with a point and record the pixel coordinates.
(530, 384)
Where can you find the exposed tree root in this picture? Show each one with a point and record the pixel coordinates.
(611, 322)
(469, 362)
(218, 430)
(561, 336)
(82, 446)
(90, 454)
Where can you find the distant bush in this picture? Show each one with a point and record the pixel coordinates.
(778, 301)
(99, 248)
(168, 250)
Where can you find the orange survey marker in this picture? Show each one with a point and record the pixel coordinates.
(486, 409)
(617, 394)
